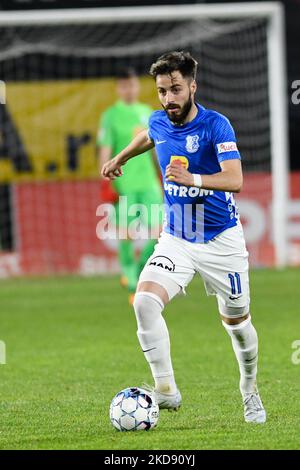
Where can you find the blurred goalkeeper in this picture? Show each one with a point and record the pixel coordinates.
(201, 168)
(118, 125)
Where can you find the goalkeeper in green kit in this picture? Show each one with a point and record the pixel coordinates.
(140, 183)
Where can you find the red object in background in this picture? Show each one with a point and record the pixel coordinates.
(254, 203)
(107, 192)
(55, 227)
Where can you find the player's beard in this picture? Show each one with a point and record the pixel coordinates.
(180, 117)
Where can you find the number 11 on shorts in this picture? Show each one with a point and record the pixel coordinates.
(235, 282)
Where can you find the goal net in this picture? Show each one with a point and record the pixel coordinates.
(58, 71)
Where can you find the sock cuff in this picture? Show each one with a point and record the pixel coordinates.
(238, 326)
(151, 295)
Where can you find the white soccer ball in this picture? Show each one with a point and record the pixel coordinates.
(134, 409)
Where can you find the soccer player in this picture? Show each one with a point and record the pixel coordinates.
(201, 168)
(118, 125)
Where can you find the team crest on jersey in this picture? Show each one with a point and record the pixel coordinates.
(192, 143)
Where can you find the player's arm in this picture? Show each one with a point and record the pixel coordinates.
(105, 138)
(230, 178)
(104, 155)
(156, 164)
(140, 144)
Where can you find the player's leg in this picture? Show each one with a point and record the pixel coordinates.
(245, 346)
(237, 322)
(227, 277)
(128, 263)
(159, 283)
(152, 331)
(152, 219)
(145, 254)
(244, 342)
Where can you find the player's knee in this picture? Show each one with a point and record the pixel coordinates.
(159, 284)
(154, 288)
(144, 301)
(234, 320)
(233, 315)
(147, 307)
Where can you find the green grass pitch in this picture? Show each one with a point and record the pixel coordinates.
(71, 345)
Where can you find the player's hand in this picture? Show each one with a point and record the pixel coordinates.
(179, 174)
(111, 169)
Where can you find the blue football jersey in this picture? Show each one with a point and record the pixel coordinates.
(191, 213)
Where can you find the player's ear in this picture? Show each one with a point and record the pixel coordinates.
(193, 86)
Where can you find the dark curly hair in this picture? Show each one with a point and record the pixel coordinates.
(175, 61)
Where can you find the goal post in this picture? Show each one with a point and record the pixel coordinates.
(279, 131)
(240, 48)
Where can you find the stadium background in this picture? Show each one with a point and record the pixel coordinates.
(51, 181)
(70, 340)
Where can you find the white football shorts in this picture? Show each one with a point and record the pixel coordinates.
(222, 263)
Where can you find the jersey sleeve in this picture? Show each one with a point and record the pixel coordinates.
(105, 131)
(224, 140)
(151, 126)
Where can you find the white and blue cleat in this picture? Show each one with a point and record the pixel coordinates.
(167, 401)
(254, 411)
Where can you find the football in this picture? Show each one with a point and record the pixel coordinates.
(134, 409)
